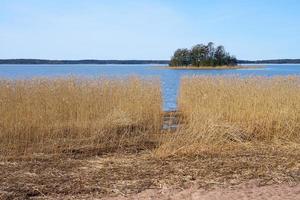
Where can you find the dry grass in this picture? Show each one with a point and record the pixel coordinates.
(63, 114)
(231, 131)
(231, 114)
(122, 174)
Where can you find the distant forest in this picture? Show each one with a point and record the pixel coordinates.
(275, 61)
(40, 61)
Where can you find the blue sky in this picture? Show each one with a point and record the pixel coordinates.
(147, 29)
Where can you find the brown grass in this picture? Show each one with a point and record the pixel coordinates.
(63, 114)
(230, 114)
(121, 174)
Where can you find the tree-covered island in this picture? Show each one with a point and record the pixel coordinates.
(202, 55)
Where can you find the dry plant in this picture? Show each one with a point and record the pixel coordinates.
(59, 114)
(230, 113)
(231, 131)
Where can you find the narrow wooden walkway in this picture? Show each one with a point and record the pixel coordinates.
(171, 121)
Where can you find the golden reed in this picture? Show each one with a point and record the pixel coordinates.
(51, 115)
(221, 112)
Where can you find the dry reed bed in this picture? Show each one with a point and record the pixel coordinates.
(240, 129)
(226, 114)
(54, 115)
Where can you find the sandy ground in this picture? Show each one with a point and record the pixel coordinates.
(112, 176)
(241, 192)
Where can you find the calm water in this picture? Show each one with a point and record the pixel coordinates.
(169, 78)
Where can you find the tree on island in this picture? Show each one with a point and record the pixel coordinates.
(203, 55)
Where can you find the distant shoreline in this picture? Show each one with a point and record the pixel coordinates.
(72, 62)
(212, 68)
(131, 62)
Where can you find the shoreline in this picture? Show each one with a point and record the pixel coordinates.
(213, 68)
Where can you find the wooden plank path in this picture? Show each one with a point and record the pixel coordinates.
(171, 121)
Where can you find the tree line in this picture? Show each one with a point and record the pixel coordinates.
(54, 62)
(273, 61)
(203, 55)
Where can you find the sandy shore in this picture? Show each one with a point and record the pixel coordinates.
(241, 192)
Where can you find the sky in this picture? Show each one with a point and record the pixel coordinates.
(147, 29)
